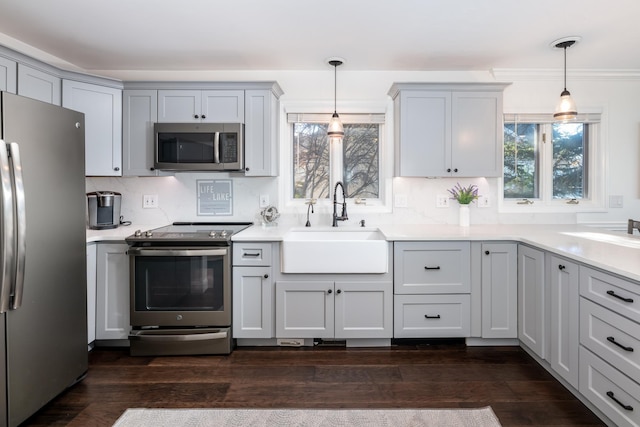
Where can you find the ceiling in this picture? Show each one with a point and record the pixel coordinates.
(412, 35)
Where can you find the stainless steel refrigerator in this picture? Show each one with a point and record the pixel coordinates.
(43, 324)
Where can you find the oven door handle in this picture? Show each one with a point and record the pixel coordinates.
(141, 336)
(177, 252)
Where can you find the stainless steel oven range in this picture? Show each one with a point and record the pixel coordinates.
(181, 289)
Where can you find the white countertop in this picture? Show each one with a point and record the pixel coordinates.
(611, 251)
(617, 253)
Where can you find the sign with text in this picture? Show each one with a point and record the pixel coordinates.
(215, 196)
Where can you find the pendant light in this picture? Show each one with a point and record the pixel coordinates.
(335, 129)
(566, 108)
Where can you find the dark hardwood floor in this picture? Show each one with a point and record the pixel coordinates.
(440, 375)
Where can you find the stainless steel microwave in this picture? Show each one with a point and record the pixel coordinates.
(199, 146)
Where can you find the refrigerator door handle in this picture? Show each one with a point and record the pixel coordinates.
(21, 224)
(7, 261)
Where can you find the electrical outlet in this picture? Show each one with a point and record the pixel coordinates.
(442, 201)
(150, 201)
(484, 201)
(264, 200)
(400, 201)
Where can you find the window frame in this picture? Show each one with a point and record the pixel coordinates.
(385, 155)
(595, 168)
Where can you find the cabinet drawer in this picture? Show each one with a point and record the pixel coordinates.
(252, 254)
(432, 267)
(432, 316)
(609, 390)
(611, 336)
(619, 295)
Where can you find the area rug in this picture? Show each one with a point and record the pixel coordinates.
(482, 417)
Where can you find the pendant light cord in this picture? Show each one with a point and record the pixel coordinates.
(565, 68)
(335, 87)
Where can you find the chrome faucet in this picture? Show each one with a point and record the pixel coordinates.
(343, 216)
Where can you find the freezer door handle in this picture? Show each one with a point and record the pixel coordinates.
(7, 265)
(21, 224)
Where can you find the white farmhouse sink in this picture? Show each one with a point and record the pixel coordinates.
(334, 250)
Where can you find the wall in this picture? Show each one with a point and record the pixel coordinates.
(616, 96)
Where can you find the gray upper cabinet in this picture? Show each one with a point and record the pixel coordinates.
(260, 133)
(139, 113)
(213, 106)
(102, 108)
(8, 75)
(448, 130)
(39, 85)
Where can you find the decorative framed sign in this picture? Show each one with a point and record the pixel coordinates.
(214, 197)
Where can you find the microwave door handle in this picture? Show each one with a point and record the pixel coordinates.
(216, 147)
(21, 224)
(7, 263)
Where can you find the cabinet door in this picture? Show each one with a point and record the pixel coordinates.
(432, 267)
(531, 293)
(8, 75)
(260, 133)
(564, 305)
(91, 292)
(112, 293)
(304, 309)
(252, 302)
(39, 85)
(102, 108)
(363, 310)
(499, 290)
(139, 113)
(179, 106)
(476, 141)
(424, 140)
(222, 106)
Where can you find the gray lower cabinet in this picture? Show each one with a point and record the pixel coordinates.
(432, 285)
(531, 300)
(139, 113)
(40, 85)
(609, 355)
(8, 75)
(102, 108)
(564, 302)
(91, 291)
(253, 290)
(112, 292)
(499, 290)
(333, 309)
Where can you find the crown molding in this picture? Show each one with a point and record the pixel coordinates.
(509, 74)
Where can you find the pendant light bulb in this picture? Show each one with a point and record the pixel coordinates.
(566, 108)
(335, 129)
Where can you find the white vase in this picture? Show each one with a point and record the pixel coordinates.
(464, 215)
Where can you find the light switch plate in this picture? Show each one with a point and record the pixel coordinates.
(150, 201)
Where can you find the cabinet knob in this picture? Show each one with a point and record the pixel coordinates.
(448, 169)
(246, 169)
(266, 276)
(561, 267)
(339, 291)
(329, 291)
(116, 169)
(196, 116)
(204, 117)
(487, 252)
(455, 170)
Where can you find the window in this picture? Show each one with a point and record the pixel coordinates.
(551, 163)
(317, 163)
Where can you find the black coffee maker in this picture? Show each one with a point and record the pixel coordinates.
(103, 209)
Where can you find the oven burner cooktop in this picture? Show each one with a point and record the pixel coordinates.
(181, 233)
